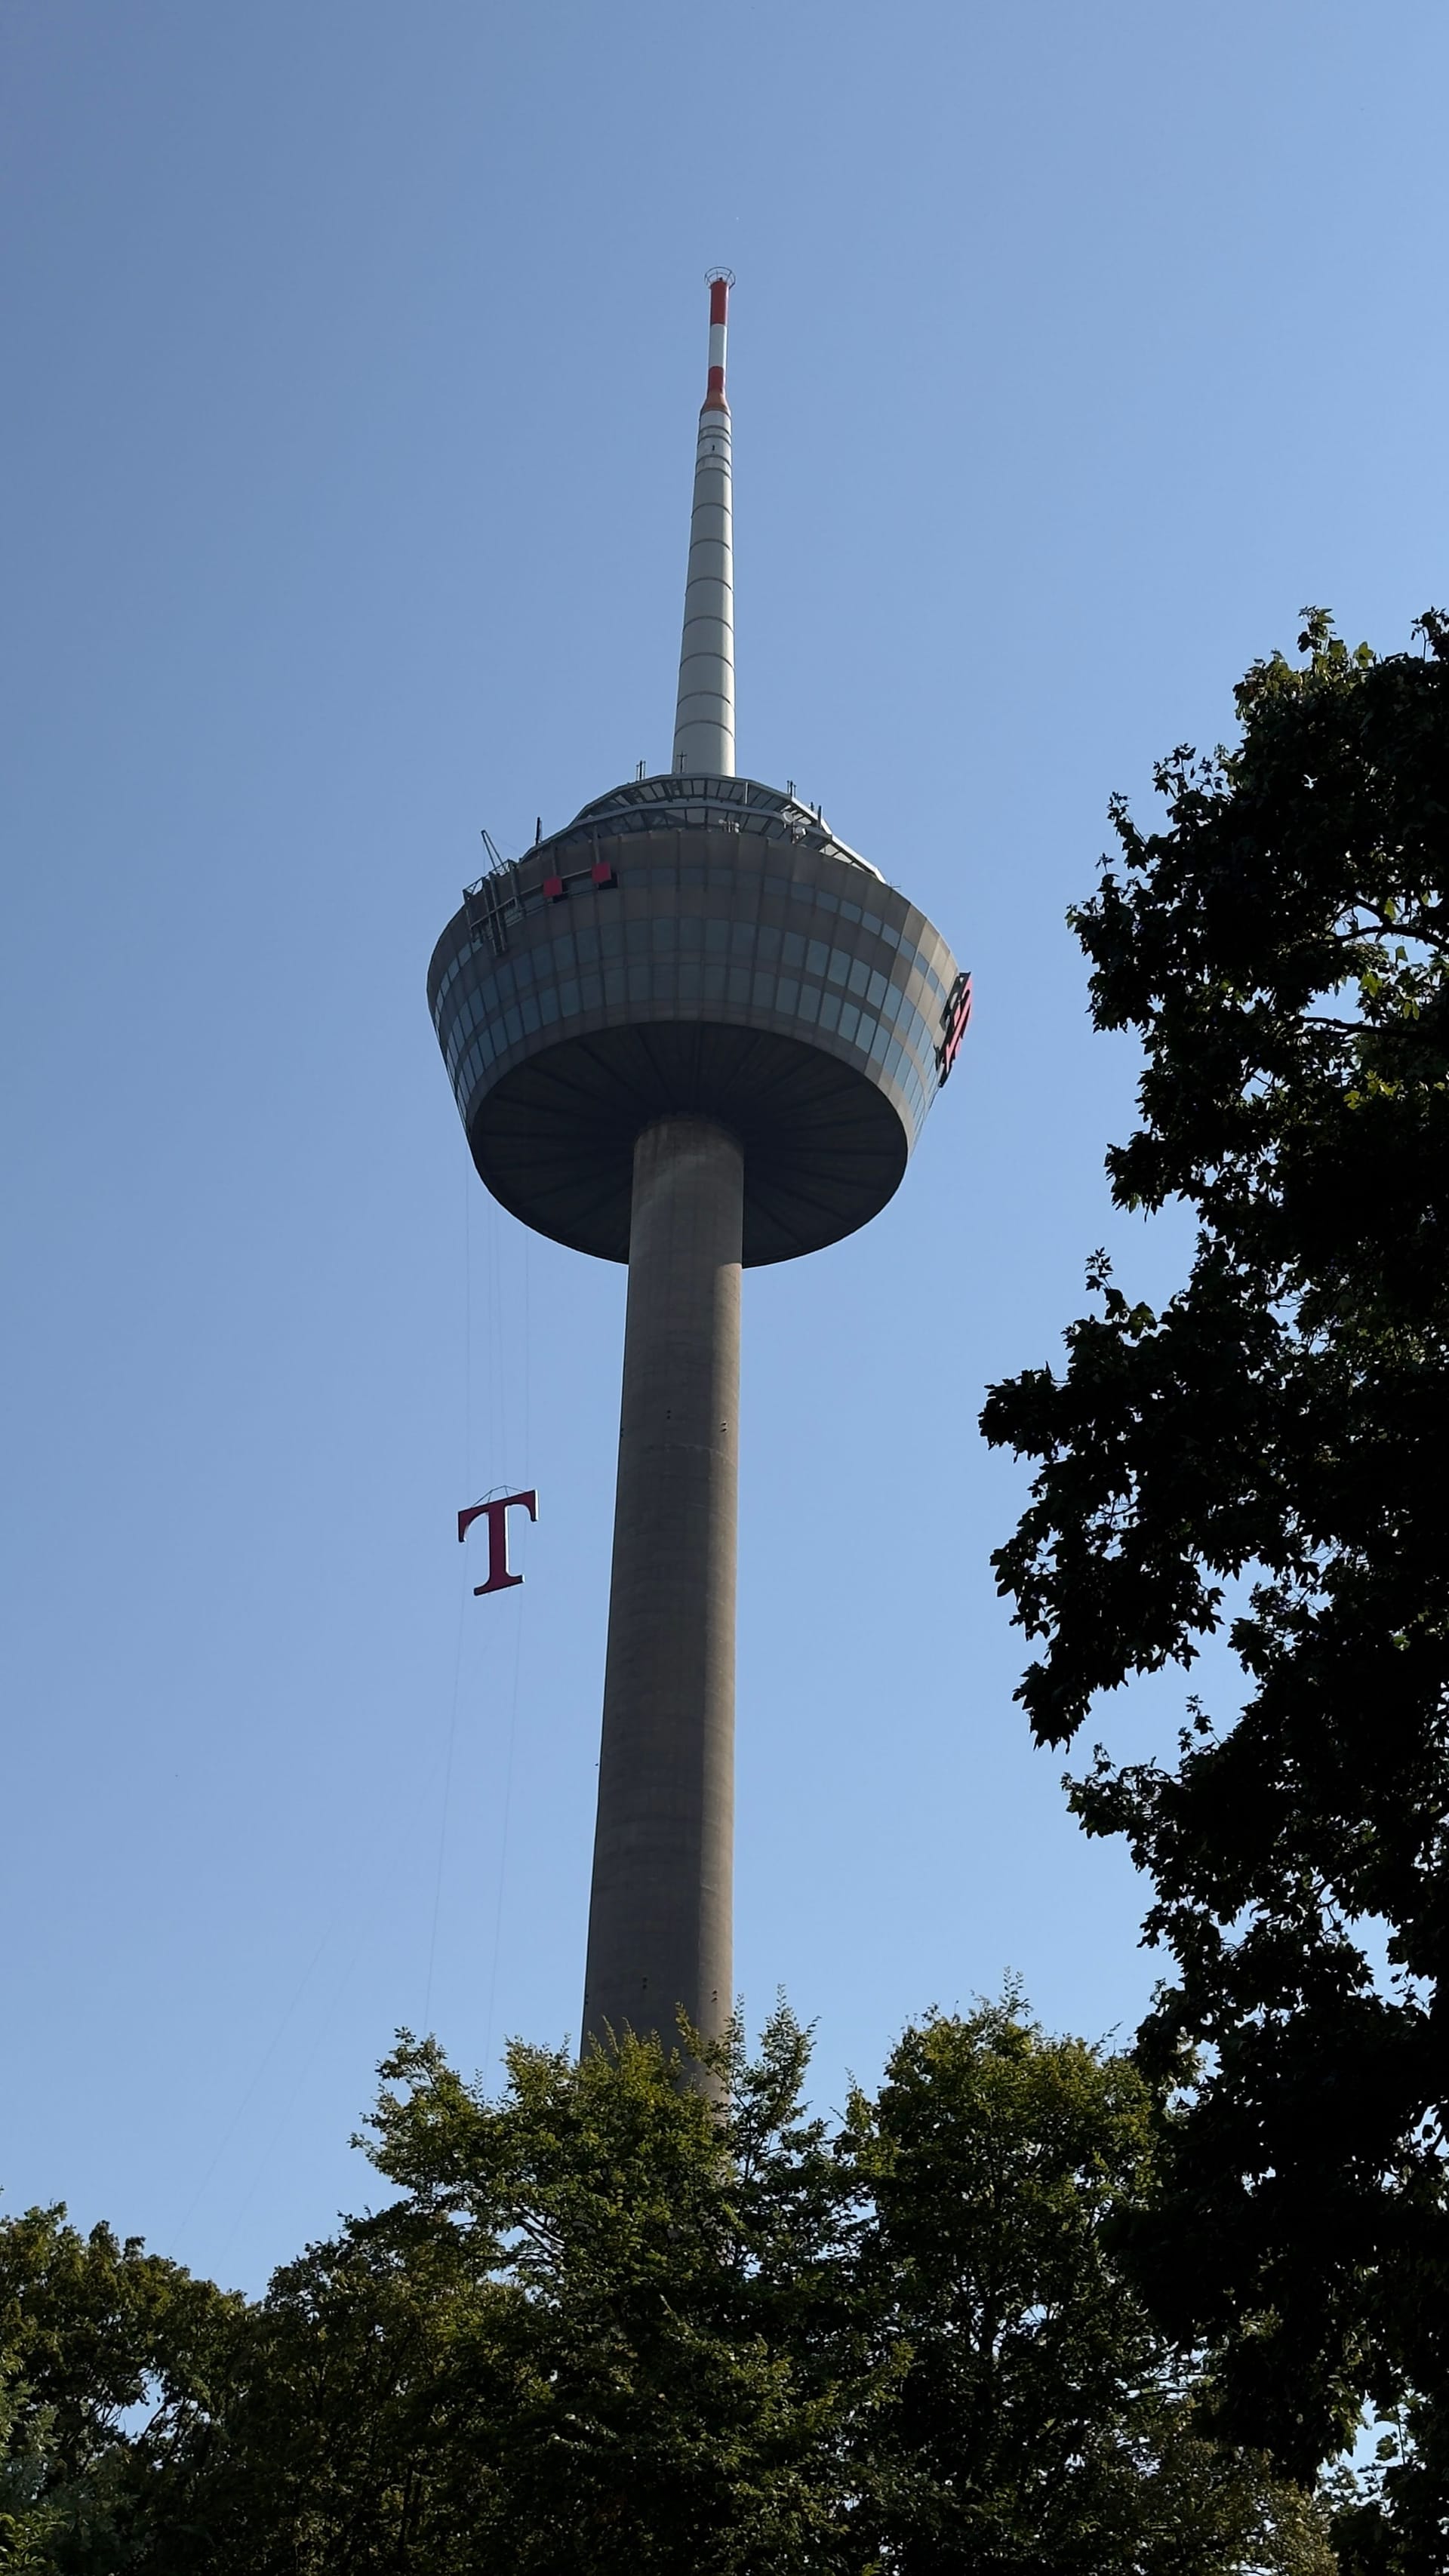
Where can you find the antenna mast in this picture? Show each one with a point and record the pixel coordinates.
(704, 718)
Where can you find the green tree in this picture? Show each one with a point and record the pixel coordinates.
(1040, 2423)
(107, 2355)
(601, 2328)
(42, 2511)
(1264, 1459)
(354, 2427)
(606, 2325)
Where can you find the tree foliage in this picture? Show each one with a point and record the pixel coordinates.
(109, 2356)
(1263, 1460)
(605, 2325)
(1039, 2423)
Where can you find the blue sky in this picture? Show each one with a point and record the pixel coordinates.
(354, 357)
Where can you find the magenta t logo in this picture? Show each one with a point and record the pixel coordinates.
(496, 1515)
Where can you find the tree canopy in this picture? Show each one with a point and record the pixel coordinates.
(1263, 1460)
(605, 2325)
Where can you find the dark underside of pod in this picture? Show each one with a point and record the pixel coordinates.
(554, 1139)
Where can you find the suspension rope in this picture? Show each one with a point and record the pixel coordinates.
(503, 1847)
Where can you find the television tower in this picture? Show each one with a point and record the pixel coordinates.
(694, 1032)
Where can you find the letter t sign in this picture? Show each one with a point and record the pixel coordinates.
(496, 1515)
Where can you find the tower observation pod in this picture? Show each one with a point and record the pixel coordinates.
(695, 1032)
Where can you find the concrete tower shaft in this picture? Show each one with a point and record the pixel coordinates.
(660, 1914)
(704, 715)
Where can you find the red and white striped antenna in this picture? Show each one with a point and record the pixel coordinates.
(719, 281)
(704, 716)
